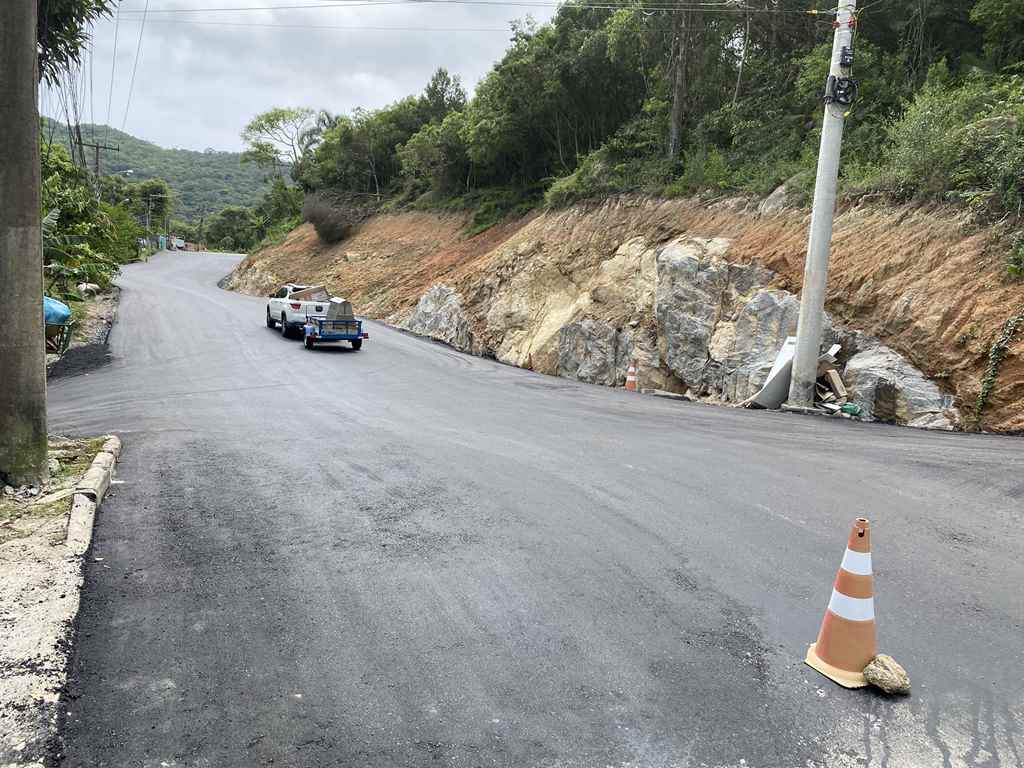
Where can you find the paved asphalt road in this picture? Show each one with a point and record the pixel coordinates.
(407, 556)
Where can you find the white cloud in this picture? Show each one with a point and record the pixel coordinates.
(198, 84)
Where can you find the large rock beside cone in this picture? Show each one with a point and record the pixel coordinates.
(884, 672)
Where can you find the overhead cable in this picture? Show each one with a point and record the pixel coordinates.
(135, 66)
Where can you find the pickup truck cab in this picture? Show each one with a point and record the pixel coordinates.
(290, 305)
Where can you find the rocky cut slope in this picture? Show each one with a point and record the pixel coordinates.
(702, 296)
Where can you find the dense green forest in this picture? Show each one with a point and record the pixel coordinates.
(202, 182)
(85, 237)
(679, 99)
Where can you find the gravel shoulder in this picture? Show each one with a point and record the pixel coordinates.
(44, 535)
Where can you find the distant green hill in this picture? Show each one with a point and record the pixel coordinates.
(204, 182)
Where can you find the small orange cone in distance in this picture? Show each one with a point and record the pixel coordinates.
(631, 377)
(846, 642)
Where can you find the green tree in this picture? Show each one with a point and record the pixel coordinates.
(280, 203)
(274, 137)
(436, 157)
(186, 230)
(639, 96)
(1003, 25)
(443, 94)
(84, 240)
(233, 228)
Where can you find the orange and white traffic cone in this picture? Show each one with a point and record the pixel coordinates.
(846, 642)
(631, 377)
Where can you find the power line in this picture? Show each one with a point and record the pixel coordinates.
(113, 65)
(525, 3)
(92, 89)
(682, 5)
(135, 66)
(329, 26)
(81, 76)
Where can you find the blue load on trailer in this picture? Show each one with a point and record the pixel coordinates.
(338, 325)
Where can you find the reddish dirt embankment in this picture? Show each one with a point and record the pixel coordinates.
(383, 268)
(920, 279)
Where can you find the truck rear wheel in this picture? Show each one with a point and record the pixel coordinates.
(357, 343)
(270, 320)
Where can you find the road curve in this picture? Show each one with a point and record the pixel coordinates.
(407, 556)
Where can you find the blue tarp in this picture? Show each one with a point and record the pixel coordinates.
(55, 312)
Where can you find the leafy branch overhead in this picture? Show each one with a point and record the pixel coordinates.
(62, 34)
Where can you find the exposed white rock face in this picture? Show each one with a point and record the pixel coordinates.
(440, 316)
(691, 280)
(774, 203)
(593, 351)
(707, 337)
(693, 319)
(888, 388)
(761, 327)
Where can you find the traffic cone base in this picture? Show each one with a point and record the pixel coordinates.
(631, 377)
(835, 674)
(846, 642)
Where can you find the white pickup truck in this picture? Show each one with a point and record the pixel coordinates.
(290, 304)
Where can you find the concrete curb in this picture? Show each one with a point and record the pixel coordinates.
(89, 495)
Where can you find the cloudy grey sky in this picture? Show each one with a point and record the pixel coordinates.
(197, 84)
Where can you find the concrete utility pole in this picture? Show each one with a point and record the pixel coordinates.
(22, 343)
(812, 298)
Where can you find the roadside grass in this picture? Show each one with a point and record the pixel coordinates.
(19, 515)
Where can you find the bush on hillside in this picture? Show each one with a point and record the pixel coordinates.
(963, 141)
(333, 218)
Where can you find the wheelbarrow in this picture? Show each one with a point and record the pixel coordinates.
(58, 323)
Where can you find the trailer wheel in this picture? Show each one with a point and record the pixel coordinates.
(357, 343)
(308, 342)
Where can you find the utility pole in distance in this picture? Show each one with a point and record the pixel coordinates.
(22, 343)
(149, 210)
(838, 96)
(97, 146)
